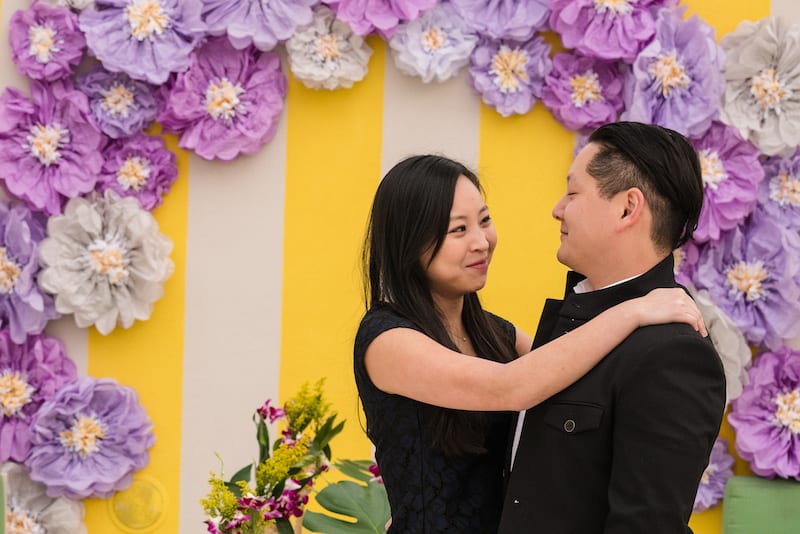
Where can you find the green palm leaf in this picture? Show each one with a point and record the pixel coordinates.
(366, 504)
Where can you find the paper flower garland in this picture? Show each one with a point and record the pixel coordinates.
(779, 194)
(364, 16)
(504, 19)
(716, 474)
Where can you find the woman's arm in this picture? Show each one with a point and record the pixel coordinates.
(523, 343)
(406, 362)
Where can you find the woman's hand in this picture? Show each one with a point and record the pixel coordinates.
(669, 305)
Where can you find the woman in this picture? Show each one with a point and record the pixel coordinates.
(436, 374)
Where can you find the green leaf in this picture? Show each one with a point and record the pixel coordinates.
(284, 526)
(242, 474)
(263, 440)
(357, 469)
(368, 505)
(325, 434)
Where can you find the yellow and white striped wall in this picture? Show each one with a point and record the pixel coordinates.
(266, 292)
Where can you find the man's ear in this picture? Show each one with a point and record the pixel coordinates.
(632, 206)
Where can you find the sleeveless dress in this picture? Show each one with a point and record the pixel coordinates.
(429, 492)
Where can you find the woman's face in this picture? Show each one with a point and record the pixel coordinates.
(462, 263)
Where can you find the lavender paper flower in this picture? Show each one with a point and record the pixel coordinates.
(766, 417)
(712, 483)
(779, 193)
(504, 19)
(31, 373)
(762, 92)
(146, 39)
(509, 75)
(105, 261)
(583, 93)
(326, 54)
(364, 16)
(49, 147)
(228, 102)
(606, 29)
(731, 174)
(685, 261)
(139, 166)
(89, 439)
(676, 79)
(753, 274)
(120, 105)
(262, 24)
(45, 41)
(434, 46)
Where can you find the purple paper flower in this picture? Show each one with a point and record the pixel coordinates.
(504, 19)
(583, 93)
(49, 146)
(139, 166)
(89, 439)
(766, 416)
(45, 41)
(228, 102)
(712, 483)
(24, 308)
(364, 16)
(31, 373)
(753, 274)
(510, 75)
(262, 24)
(676, 79)
(779, 194)
(685, 259)
(146, 39)
(731, 174)
(120, 105)
(606, 29)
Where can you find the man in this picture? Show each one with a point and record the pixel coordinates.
(623, 449)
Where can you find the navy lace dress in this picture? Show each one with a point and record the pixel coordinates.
(428, 491)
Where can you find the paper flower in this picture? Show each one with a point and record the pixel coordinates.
(45, 41)
(779, 194)
(583, 93)
(31, 373)
(676, 79)
(120, 105)
(434, 46)
(685, 260)
(88, 440)
(364, 16)
(49, 147)
(766, 417)
(731, 175)
(753, 274)
(229, 101)
(105, 261)
(762, 74)
(504, 19)
(262, 24)
(77, 5)
(146, 39)
(510, 75)
(326, 54)
(30, 511)
(712, 483)
(139, 166)
(606, 29)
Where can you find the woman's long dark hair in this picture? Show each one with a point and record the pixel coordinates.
(411, 213)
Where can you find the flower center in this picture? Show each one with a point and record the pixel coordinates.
(585, 88)
(84, 436)
(785, 189)
(43, 42)
(20, 521)
(117, 100)
(708, 473)
(508, 67)
(712, 167)
(670, 73)
(146, 18)
(45, 140)
(769, 91)
(327, 48)
(433, 39)
(9, 272)
(222, 99)
(614, 7)
(133, 174)
(108, 258)
(15, 392)
(745, 279)
(678, 255)
(787, 412)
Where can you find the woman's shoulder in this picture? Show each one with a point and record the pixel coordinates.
(378, 319)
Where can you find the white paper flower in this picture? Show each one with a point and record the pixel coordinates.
(105, 261)
(326, 54)
(78, 5)
(29, 509)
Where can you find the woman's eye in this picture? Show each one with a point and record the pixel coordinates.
(457, 229)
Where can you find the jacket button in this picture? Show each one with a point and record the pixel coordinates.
(516, 501)
(569, 425)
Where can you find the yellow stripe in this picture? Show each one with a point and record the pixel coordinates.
(333, 163)
(149, 358)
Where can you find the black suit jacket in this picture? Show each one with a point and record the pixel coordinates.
(623, 449)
